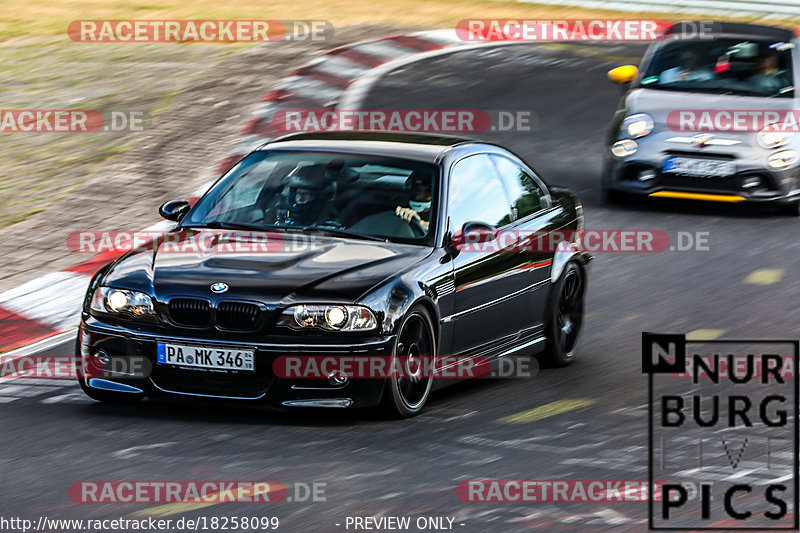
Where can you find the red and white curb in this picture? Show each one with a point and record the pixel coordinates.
(50, 305)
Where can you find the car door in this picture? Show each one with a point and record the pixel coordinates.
(534, 220)
(488, 304)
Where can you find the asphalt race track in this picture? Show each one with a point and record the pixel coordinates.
(742, 286)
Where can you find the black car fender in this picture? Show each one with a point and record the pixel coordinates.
(395, 298)
(565, 253)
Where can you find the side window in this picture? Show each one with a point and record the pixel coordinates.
(476, 194)
(526, 195)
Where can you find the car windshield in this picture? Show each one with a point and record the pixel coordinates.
(340, 194)
(723, 66)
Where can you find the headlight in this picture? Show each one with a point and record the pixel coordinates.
(783, 159)
(624, 148)
(120, 301)
(329, 317)
(637, 125)
(769, 138)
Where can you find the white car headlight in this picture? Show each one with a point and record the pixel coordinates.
(783, 159)
(638, 125)
(624, 148)
(770, 138)
(329, 317)
(121, 301)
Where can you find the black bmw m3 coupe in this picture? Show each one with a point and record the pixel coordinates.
(410, 250)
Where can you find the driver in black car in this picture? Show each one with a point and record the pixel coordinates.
(309, 199)
(419, 207)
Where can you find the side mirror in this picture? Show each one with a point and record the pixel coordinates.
(623, 74)
(174, 210)
(476, 232)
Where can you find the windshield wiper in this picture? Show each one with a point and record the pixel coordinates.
(342, 233)
(216, 224)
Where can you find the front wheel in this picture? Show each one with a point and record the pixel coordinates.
(565, 315)
(408, 390)
(792, 209)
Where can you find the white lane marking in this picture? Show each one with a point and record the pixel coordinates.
(164, 225)
(133, 451)
(444, 37)
(268, 109)
(338, 66)
(310, 89)
(353, 96)
(383, 49)
(70, 397)
(54, 299)
(44, 344)
(58, 382)
(21, 391)
(248, 143)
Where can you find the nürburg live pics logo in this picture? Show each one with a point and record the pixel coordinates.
(722, 433)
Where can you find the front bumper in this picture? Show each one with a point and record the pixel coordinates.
(129, 348)
(778, 186)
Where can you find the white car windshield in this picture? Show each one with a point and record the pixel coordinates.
(723, 66)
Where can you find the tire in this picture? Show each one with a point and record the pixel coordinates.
(792, 209)
(611, 197)
(404, 397)
(564, 319)
(104, 396)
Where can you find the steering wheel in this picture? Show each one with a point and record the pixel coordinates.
(416, 227)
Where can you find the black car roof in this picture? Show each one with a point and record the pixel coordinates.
(417, 146)
(742, 29)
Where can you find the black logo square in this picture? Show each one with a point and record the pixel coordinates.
(663, 353)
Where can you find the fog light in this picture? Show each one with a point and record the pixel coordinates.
(783, 159)
(337, 378)
(103, 357)
(624, 148)
(647, 175)
(750, 182)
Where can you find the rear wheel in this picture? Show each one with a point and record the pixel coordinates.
(407, 392)
(565, 315)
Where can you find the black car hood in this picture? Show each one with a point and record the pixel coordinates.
(287, 268)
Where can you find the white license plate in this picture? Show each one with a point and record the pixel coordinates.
(206, 357)
(701, 168)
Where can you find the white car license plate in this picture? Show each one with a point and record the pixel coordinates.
(206, 357)
(701, 168)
